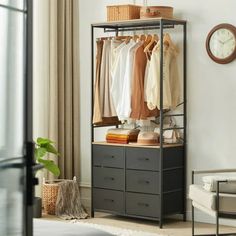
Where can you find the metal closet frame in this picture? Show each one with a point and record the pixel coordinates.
(148, 24)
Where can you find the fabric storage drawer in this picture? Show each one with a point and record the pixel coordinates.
(108, 178)
(173, 157)
(108, 200)
(108, 156)
(173, 202)
(173, 179)
(142, 181)
(142, 204)
(142, 158)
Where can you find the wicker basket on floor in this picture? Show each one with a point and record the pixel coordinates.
(50, 191)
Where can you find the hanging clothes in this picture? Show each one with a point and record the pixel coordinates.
(171, 82)
(116, 46)
(127, 85)
(118, 74)
(106, 102)
(103, 112)
(97, 114)
(148, 50)
(139, 109)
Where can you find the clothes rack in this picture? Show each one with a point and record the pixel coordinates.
(169, 199)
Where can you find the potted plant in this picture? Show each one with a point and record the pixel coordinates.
(44, 146)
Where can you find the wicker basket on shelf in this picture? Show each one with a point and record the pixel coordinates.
(123, 12)
(50, 191)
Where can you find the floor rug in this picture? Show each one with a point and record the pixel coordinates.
(117, 231)
(78, 228)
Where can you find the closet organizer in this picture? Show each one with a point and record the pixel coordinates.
(146, 182)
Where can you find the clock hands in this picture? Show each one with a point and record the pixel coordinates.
(220, 41)
(228, 40)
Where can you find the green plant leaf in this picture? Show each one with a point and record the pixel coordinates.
(41, 141)
(50, 166)
(40, 152)
(50, 148)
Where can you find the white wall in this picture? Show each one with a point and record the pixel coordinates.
(211, 87)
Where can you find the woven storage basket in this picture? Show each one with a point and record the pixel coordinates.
(50, 191)
(123, 12)
(156, 11)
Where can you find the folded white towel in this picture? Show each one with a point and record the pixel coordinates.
(210, 183)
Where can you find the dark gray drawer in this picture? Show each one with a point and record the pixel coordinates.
(173, 202)
(173, 157)
(142, 181)
(108, 156)
(108, 178)
(108, 200)
(173, 179)
(142, 204)
(142, 158)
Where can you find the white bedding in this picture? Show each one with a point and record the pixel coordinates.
(57, 228)
(210, 183)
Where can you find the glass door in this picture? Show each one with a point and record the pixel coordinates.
(15, 118)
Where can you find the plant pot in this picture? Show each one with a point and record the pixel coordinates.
(37, 207)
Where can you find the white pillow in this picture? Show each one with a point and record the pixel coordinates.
(210, 184)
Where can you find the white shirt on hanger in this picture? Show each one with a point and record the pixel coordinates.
(118, 73)
(125, 107)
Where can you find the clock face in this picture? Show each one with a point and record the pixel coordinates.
(222, 43)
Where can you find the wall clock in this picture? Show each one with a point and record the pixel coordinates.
(221, 43)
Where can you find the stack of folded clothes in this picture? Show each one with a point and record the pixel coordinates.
(123, 136)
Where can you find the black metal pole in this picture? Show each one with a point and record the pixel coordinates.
(192, 219)
(217, 207)
(192, 207)
(161, 126)
(117, 32)
(92, 102)
(29, 157)
(185, 115)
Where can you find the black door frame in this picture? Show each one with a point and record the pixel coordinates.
(30, 180)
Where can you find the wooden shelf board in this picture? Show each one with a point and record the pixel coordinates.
(137, 145)
(137, 22)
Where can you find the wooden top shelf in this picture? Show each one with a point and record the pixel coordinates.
(138, 145)
(139, 23)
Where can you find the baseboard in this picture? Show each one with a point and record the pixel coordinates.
(85, 192)
(85, 185)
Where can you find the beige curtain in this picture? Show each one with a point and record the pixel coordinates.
(64, 83)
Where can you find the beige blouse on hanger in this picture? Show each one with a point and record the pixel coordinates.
(171, 82)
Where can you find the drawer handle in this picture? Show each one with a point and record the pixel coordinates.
(108, 200)
(109, 178)
(144, 159)
(143, 204)
(144, 182)
(109, 157)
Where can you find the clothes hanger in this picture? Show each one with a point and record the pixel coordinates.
(168, 42)
(128, 39)
(154, 39)
(120, 37)
(142, 37)
(135, 37)
(149, 38)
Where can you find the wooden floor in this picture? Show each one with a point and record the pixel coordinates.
(171, 227)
